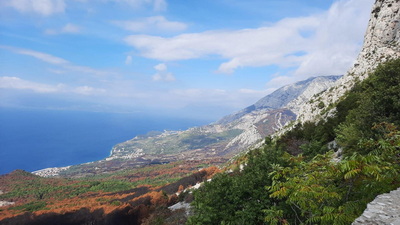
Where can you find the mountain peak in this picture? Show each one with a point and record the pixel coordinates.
(281, 97)
(288, 96)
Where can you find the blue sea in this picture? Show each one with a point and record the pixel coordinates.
(37, 139)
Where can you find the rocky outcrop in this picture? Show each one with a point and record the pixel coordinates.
(381, 43)
(5, 203)
(385, 209)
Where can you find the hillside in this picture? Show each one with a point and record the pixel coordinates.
(220, 140)
(232, 133)
(335, 159)
(316, 173)
(125, 197)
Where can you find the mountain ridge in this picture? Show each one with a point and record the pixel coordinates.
(279, 98)
(248, 118)
(225, 138)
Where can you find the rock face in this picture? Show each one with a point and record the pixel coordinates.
(383, 210)
(381, 43)
(5, 203)
(231, 134)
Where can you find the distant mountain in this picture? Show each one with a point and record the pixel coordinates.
(286, 97)
(232, 133)
(222, 139)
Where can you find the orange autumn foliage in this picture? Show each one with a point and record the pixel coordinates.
(211, 171)
(158, 198)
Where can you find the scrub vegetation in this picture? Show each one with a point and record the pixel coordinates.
(317, 173)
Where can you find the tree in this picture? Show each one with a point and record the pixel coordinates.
(237, 197)
(324, 192)
(378, 100)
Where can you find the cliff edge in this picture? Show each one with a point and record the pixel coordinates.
(381, 43)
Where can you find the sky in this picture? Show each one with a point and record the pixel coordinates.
(189, 58)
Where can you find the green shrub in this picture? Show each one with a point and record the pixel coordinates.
(30, 207)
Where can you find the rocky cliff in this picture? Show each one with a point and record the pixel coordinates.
(381, 43)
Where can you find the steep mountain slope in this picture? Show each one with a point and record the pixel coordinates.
(232, 133)
(288, 96)
(341, 153)
(381, 43)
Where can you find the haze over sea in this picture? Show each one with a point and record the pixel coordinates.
(37, 139)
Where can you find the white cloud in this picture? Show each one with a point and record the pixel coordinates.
(160, 67)
(55, 60)
(128, 60)
(213, 98)
(21, 84)
(280, 81)
(67, 29)
(256, 92)
(42, 7)
(17, 83)
(248, 47)
(55, 71)
(85, 69)
(338, 40)
(162, 73)
(51, 7)
(154, 23)
(157, 5)
(169, 77)
(322, 44)
(87, 90)
(70, 28)
(200, 96)
(38, 55)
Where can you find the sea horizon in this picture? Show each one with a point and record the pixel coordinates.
(35, 139)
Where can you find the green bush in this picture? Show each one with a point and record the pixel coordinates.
(309, 187)
(30, 207)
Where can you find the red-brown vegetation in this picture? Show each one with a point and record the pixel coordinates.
(131, 206)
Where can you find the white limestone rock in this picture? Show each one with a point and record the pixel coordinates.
(5, 203)
(381, 43)
(385, 209)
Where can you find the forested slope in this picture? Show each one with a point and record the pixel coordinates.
(317, 173)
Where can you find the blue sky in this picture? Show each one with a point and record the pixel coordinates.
(191, 58)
